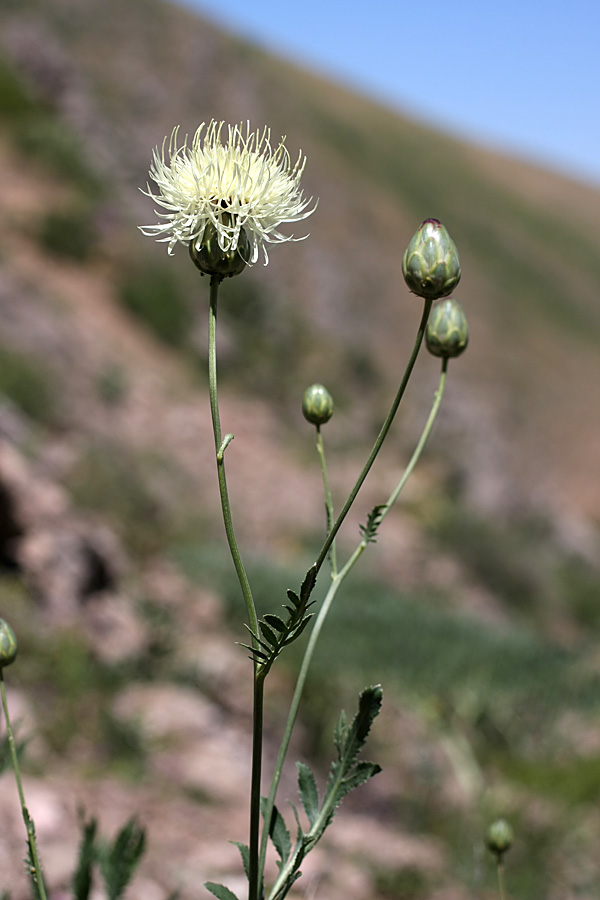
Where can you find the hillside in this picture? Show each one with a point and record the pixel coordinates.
(113, 572)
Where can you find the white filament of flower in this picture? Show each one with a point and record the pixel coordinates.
(242, 183)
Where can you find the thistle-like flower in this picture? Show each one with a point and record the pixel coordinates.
(241, 186)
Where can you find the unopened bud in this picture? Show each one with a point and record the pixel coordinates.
(317, 404)
(447, 333)
(499, 838)
(212, 260)
(8, 644)
(431, 266)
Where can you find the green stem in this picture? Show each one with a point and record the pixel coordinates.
(324, 610)
(220, 447)
(328, 500)
(36, 871)
(380, 438)
(257, 714)
(501, 880)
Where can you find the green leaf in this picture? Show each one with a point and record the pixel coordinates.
(309, 794)
(361, 772)
(355, 735)
(293, 596)
(369, 531)
(340, 730)
(245, 854)
(119, 861)
(280, 835)
(268, 634)
(220, 891)
(306, 588)
(81, 882)
(275, 622)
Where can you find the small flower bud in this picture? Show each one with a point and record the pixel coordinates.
(431, 266)
(499, 838)
(447, 331)
(317, 404)
(211, 260)
(8, 644)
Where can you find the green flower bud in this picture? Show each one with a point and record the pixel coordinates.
(8, 644)
(431, 266)
(211, 260)
(499, 837)
(317, 404)
(447, 331)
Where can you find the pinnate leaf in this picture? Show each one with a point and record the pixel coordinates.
(309, 794)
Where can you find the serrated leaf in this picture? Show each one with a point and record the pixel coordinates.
(340, 730)
(268, 634)
(254, 650)
(369, 531)
(293, 596)
(298, 630)
(280, 835)
(245, 854)
(361, 772)
(369, 705)
(299, 829)
(309, 795)
(220, 891)
(275, 622)
(306, 588)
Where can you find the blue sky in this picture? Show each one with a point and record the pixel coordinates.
(523, 77)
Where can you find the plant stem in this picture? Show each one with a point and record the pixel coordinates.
(501, 880)
(35, 872)
(220, 447)
(328, 500)
(324, 610)
(258, 694)
(254, 872)
(380, 438)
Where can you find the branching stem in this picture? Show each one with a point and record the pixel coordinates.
(324, 610)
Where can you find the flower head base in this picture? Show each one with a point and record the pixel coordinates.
(237, 184)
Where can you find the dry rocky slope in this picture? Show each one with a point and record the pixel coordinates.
(99, 485)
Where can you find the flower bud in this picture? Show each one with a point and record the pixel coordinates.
(317, 404)
(8, 644)
(447, 331)
(211, 260)
(499, 837)
(431, 266)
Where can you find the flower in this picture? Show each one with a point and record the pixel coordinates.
(238, 185)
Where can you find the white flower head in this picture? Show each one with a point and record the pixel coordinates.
(238, 183)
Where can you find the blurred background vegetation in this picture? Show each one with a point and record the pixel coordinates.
(478, 609)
